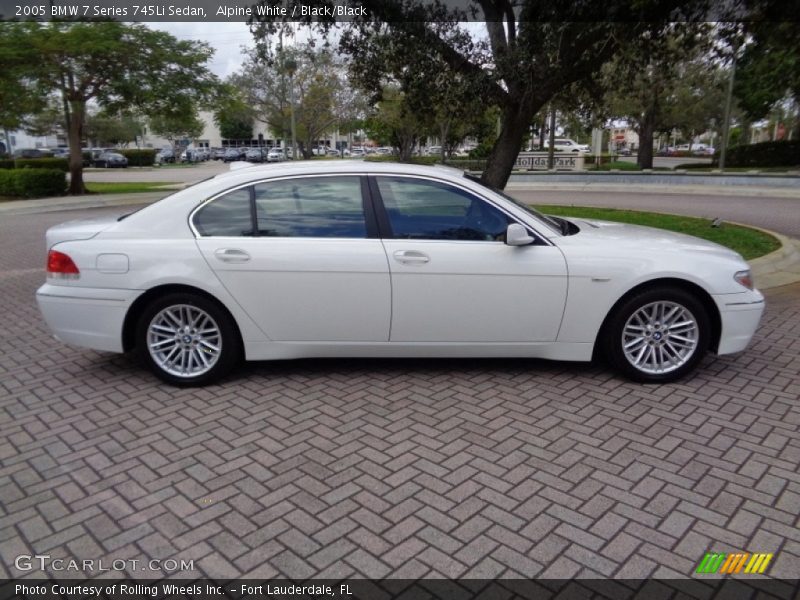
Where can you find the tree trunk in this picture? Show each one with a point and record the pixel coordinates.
(551, 149)
(646, 131)
(74, 136)
(501, 159)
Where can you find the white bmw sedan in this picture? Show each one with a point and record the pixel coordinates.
(355, 259)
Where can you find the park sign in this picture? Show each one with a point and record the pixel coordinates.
(537, 161)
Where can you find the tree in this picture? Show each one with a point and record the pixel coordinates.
(178, 126)
(108, 129)
(643, 79)
(395, 123)
(20, 96)
(47, 120)
(532, 50)
(315, 78)
(768, 72)
(115, 65)
(233, 115)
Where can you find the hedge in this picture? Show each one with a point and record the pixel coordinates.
(6, 163)
(61, 164)
(32, 183)
(765, 154)
(415, 160)
(466, 164)
(139, 158)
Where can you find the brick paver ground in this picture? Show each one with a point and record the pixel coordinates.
(472, 468)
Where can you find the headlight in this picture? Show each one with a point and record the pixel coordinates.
(744, 278)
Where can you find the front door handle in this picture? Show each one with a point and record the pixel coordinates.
(411, 257)
(231, 255)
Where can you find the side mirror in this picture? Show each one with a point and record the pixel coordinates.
(517, 235)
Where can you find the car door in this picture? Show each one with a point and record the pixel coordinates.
(312, 268)
(453, 277)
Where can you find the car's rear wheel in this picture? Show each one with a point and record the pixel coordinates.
(186, 339)
(658, 335)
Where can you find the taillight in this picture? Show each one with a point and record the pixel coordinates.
(61, 266)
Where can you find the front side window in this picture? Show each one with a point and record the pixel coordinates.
(329, 207)
(430, 210)
(228, 215)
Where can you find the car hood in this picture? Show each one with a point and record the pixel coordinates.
(82, 229)
(625, 236)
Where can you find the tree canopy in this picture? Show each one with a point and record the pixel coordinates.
(114, 65)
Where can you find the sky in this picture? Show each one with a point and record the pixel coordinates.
(226, 39)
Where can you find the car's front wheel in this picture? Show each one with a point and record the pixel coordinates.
(186, 339)
(658, 335)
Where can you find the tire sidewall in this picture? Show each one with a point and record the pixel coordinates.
(612, 341)
(231, 344)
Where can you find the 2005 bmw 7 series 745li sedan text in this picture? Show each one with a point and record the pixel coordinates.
(386, 260)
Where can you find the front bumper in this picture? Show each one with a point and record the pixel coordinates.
(87, 317)
(740, 315)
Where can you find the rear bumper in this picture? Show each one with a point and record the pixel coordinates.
(87, 317)
(740, 315)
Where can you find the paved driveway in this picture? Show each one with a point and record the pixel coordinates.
(394, 468)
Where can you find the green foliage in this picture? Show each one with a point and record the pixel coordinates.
(765, 154)
(6, 163)
(176, 126)
(396, 123)
(414, 160)
(117, 66)
(466, 164)
(61, 164)
(139, 158)
(110, 130)
(32, 183)
(769, 69)
(233, 115)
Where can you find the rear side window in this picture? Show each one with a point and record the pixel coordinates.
(329, 207)
(228, 216)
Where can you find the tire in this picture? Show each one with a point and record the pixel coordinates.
(675, 347)
(196, 359)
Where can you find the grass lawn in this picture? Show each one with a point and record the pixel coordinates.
(750, 243)
(126, 187)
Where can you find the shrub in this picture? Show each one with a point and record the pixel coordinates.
(765, 154)
(61, 164)
(415, 160)
(466, 164)
(139, 158)
(6, 163)
(32, 183)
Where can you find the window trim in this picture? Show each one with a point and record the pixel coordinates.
(370, 222)
(386, 228)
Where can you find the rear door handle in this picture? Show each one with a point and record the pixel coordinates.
(411, 257)
(231, 255)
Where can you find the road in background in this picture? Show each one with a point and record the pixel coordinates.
(774, 213)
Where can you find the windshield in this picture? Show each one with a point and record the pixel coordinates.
(549, 221)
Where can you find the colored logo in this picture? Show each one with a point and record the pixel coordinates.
(733, 563)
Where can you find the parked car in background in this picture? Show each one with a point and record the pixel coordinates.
(232, 154)
(110, 159)
(255, 155)
(567, 145)
(165, 155)
(217, 153)
(31, 153)
(383, 151)
(344, 259)
(434, 151)
(275, 155)
(357, 153)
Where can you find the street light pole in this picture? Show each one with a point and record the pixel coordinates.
(291, 112)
